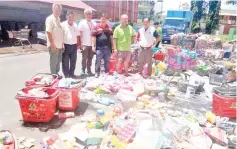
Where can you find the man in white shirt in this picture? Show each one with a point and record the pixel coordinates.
(54, 38)
(86, 26)
(147, 37)
(71, 40)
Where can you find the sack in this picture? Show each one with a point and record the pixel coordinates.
(217, 135)
(175, 126)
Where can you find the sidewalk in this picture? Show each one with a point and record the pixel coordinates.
(18, 50)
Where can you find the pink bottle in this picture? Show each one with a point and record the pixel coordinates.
(145, 71)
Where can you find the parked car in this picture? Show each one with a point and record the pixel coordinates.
(137, 27)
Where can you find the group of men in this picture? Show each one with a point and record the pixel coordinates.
(64, 39)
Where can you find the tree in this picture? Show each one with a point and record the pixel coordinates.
(198, 9)
(213, 16)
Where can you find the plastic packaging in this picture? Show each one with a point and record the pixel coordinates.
(153, 73)
(145, 71)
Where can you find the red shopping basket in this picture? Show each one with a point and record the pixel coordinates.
(224, 105)
(33, 81)
(35, 109)
(69, 98)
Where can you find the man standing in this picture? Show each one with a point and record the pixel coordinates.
(101, 40)
(123, 38)
(71, 41)
(85, 27)
(54, 38)
(147, 39)
(159, 31)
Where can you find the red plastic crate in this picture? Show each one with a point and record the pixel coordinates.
(224, 105)
(69, 98)
(34, 109)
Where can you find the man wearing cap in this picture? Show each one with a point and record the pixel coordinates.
(54, 38)
(147, 37)
(86, 26)
(123, 38)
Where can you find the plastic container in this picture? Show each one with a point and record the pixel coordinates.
(216, 79)
(224, 102)
(112, 66)
(31, 82)
(35, 109)
(159, 56)
(69, 98)
(155, 50)
(12, 144)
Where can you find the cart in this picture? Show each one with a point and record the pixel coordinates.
(21, 37)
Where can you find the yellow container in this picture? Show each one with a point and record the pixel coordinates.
(211, 117)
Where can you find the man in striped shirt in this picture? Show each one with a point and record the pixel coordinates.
(101, 40)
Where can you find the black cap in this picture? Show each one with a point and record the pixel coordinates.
(156, 23)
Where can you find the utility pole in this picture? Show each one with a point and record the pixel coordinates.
(119, 9)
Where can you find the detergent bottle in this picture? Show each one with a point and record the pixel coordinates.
(144, 72)
(153, 72)
(161, 66)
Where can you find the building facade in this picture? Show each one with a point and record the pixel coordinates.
(115, 9)
(227, 20)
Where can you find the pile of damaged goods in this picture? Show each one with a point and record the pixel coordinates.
(189, 102)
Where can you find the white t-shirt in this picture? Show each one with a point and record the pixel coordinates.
(146, 37)
(53, 26)
(86, 28)
(70, 33)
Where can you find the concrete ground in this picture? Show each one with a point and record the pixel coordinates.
(14, 71)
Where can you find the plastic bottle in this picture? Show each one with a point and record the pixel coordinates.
(144, 72)
(66, 115)
(161, 66)
(153, 73)
(99, 113)
(115, 75)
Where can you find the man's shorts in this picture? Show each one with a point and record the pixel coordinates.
(124, 56)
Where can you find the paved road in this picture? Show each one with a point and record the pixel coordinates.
(13, 73)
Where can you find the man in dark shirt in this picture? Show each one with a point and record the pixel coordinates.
(101, 40)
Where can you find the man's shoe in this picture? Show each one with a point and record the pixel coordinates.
(59, 77)
(74, 76)
(82, 73)
(97, 75)
(89, 73)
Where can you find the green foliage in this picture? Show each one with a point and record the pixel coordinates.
(199, 10)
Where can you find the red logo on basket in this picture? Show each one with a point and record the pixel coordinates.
(65, 96)
(32, 106)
